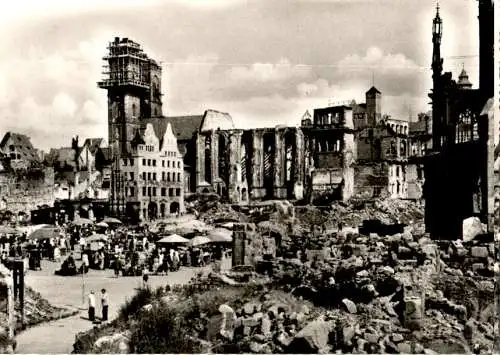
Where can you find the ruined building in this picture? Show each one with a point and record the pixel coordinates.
(330, 153)
(459, 168)
(382, 145)
(336, 153)
(261, 163)
(25, 183)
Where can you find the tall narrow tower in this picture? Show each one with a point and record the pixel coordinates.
(486, 48)
(437, 69)
(133, 82)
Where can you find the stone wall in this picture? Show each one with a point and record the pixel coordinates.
(23, 194)
(371, 180)
(251, 246)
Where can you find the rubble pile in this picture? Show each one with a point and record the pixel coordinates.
(387, 211)
(36, 310)
(379, 278)
(211, 210)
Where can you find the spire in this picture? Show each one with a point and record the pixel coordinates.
(437, 33)
(463, 79)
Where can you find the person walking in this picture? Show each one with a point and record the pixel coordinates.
(85, 262)
(104, 304)
(92, 306)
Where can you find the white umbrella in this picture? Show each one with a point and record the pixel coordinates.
(173, 239)
(97, 237)
(199, 240)
(30, 229)
(102, 224)
(228, 225)
(45, 233)
(81, 221)
(219, 235)
(111, 220)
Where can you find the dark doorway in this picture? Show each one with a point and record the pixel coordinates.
(174, 207)
(152, 210)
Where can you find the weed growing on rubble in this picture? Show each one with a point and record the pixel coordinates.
(132, 306)
(162, 331)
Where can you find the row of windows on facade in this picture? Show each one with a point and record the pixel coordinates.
(420, 172)
(174, 177)
(397, 188)
(151, 192)
(327, 146)
(152, 162)
(151, 148)
(328, 119)
(398, 128)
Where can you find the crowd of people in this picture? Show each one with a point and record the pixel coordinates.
(129, 251)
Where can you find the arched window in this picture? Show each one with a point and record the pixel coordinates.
(208, 159)
(393, 148)
(403, 148)
(466, 128)
(134, 110)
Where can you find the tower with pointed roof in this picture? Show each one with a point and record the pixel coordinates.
(437, 80)
(463, 80)
(306, 119)
(373, 106)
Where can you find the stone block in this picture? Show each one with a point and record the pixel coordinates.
(413, 312)
(477, 266)
(479, 252)
(350, 305)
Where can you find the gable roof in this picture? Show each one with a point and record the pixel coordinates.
(417, 127)
(184, 127)
(23, 145)
(61, 156)
(93, 144)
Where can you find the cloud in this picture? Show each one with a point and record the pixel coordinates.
(276, 93)
(54, 96)
(57, 97)
(268, 72)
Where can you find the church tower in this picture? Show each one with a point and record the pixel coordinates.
(133, 82)
(463, 80)
(437, 69)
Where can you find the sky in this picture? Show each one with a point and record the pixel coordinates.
(263, 61)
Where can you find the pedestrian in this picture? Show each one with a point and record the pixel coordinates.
(145, 278)
(104, 305)
(91, 306)
(117, 265)
(85, 262)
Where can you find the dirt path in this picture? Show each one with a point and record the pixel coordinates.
(59, 336)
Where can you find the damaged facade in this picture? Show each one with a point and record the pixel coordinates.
(337, 153)
(459, 173)
(330, 153)
(265, 163)
(25, 183)
(383, 144)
